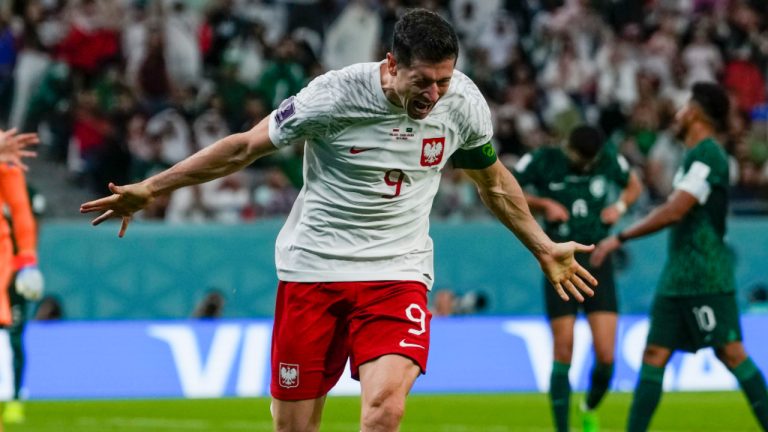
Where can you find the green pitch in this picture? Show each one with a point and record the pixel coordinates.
(726, 411)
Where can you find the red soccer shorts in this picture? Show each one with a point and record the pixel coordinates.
(318, 326)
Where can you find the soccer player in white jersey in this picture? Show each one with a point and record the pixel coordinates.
(354, 258)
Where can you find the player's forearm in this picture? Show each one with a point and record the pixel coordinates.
(536, 204)
(672, 211)
(24, 230)
(658, 219)
(228, 155)
(514, 214)
(632, 192)
(14, 188)
(504, 197)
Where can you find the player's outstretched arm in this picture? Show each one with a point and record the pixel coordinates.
(675, 208)
(629, 195)
(223, 157)
(14, 147)
(503, 196)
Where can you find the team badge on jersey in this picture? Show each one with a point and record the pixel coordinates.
(289, 375)
(432, 151)
(285, 111)
(597, 187)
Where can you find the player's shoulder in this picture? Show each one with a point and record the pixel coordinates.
(463, 90)
(548, 153)
(464, 105)
(540, 157)
(611, 156)
(350, 79)
(708, 151)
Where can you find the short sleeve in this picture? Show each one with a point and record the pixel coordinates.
(303, 116)
(620, 169)
(477, 128)
(696, 181)
(525, 169)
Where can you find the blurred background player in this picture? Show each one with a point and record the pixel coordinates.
(18, 250)
(695, 303)
(573, 190)
(21, 292)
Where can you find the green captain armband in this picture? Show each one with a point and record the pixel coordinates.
(476, 158)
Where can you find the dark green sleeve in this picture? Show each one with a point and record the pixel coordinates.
(620, 168)
(476, 158)
(526, 170)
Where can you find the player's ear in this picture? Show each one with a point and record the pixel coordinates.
(391, 64)
(696, 113)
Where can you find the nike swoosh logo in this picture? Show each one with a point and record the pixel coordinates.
(355, 150)
(405, 344)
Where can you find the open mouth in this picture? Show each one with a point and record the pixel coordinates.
(422, 107)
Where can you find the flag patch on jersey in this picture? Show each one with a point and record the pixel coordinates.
(289, 375)
(398, 134)
(432, 151)
(285, 111)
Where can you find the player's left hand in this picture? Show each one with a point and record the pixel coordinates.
(565, 273)
(14, 147)
(603, 249)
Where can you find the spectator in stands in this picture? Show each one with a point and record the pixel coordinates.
(182, 29)
(543, 66)
(33, 58)
(353, 36)
(154, 84)
(275, 195)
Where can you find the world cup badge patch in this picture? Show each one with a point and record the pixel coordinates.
(289, 375)
(432, 151)
(285, 111)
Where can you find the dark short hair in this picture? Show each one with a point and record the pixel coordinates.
(423, 35)
(714, 101)
(586, 140)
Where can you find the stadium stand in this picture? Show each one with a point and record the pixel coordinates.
(121, 88)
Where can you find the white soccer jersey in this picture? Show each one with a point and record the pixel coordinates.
(371, 173)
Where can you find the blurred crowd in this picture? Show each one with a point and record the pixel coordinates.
(119, 89)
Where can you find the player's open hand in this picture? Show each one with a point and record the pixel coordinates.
(603, 249)
(610, 215)
(123, 203)
(565, 273)
(555, 212)
(14, 147)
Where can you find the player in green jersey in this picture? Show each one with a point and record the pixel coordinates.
(695, 303)
(572, 186)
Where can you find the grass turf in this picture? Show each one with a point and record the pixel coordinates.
(722, 411)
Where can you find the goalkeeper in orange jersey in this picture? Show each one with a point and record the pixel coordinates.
(18, 243)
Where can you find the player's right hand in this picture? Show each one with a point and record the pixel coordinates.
(565, 273)
(29, 283)
(603, 249)
(555, 212)
(123, 203)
